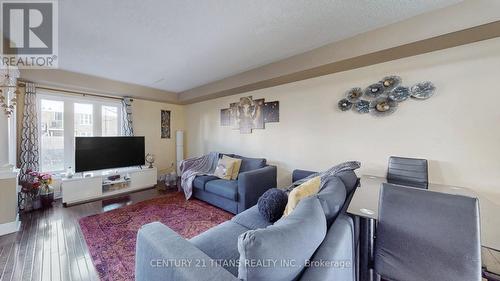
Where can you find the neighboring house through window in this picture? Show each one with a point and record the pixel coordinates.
(63, 117)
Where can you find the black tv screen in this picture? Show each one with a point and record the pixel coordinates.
(98, 153)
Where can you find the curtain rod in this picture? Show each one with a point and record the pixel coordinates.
(23, 84)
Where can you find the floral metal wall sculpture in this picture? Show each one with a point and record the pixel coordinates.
(382, 98)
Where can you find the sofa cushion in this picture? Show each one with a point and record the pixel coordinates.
(249, 164)
(291, 239)
(251, 219)
(200, 181)
(332, 197)
(221, 243)
(224, 188)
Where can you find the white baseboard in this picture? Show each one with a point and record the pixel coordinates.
(10, 227)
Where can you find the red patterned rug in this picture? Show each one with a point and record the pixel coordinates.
(111, 236)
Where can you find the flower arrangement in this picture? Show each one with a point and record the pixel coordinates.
(36, 192)
(40, 181)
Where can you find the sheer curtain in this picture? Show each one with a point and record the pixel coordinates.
(127, 126)
(29, 157)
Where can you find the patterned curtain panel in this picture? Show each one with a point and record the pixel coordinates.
(29, 156)
(127, 128)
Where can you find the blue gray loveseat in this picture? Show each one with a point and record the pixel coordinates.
(235, 196)
(317, 231)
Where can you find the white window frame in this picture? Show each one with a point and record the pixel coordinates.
(69, 120)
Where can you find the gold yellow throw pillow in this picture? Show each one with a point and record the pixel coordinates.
(236, 168)
(302, 191)
(224, 168)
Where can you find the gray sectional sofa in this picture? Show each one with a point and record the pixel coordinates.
(318, 230)
(235, 196)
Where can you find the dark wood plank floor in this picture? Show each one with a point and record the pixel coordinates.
(50, 244)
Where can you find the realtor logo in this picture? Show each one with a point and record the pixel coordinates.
(29, 34)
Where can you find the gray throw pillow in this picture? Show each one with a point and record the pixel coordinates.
(272, 204)
(280, 251)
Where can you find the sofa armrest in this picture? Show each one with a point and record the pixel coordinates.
(162, 255)
(300, 174)
(338, 251)
(252, 184)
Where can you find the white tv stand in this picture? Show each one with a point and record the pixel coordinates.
(88, 186)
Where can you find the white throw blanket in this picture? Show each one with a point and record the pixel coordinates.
(190, 168)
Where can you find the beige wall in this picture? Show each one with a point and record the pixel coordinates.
(457, 129)
(146, 120)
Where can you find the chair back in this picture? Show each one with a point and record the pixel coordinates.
(408, 171)
(425, 235)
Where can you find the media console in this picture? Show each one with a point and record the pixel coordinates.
(84, 187)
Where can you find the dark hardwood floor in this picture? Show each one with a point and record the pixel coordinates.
(50, 244)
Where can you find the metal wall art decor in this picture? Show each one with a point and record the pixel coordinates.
(382, 98)
(354, 94)
(374, 90)
(423, 90)
(249, 114)
(165, 124)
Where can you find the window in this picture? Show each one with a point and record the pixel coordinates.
(62, 118)
(109, 120)
(52, 137)
(83, 120)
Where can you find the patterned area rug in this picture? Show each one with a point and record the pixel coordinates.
(111, 236)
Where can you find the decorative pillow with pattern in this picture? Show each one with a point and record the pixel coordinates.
(236, 168)
(309, 188)
(224, 168)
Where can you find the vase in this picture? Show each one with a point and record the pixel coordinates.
(47, 196)
(36, 204)
(47, 199)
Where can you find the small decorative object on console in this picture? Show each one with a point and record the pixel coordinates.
(150, 159)
(114, 177)
(69, 173)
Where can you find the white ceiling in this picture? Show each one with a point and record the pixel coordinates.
(176, 45)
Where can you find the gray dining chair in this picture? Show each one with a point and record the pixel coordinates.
(426, 235)
(408, 171)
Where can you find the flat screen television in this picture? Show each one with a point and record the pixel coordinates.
(98, 153)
